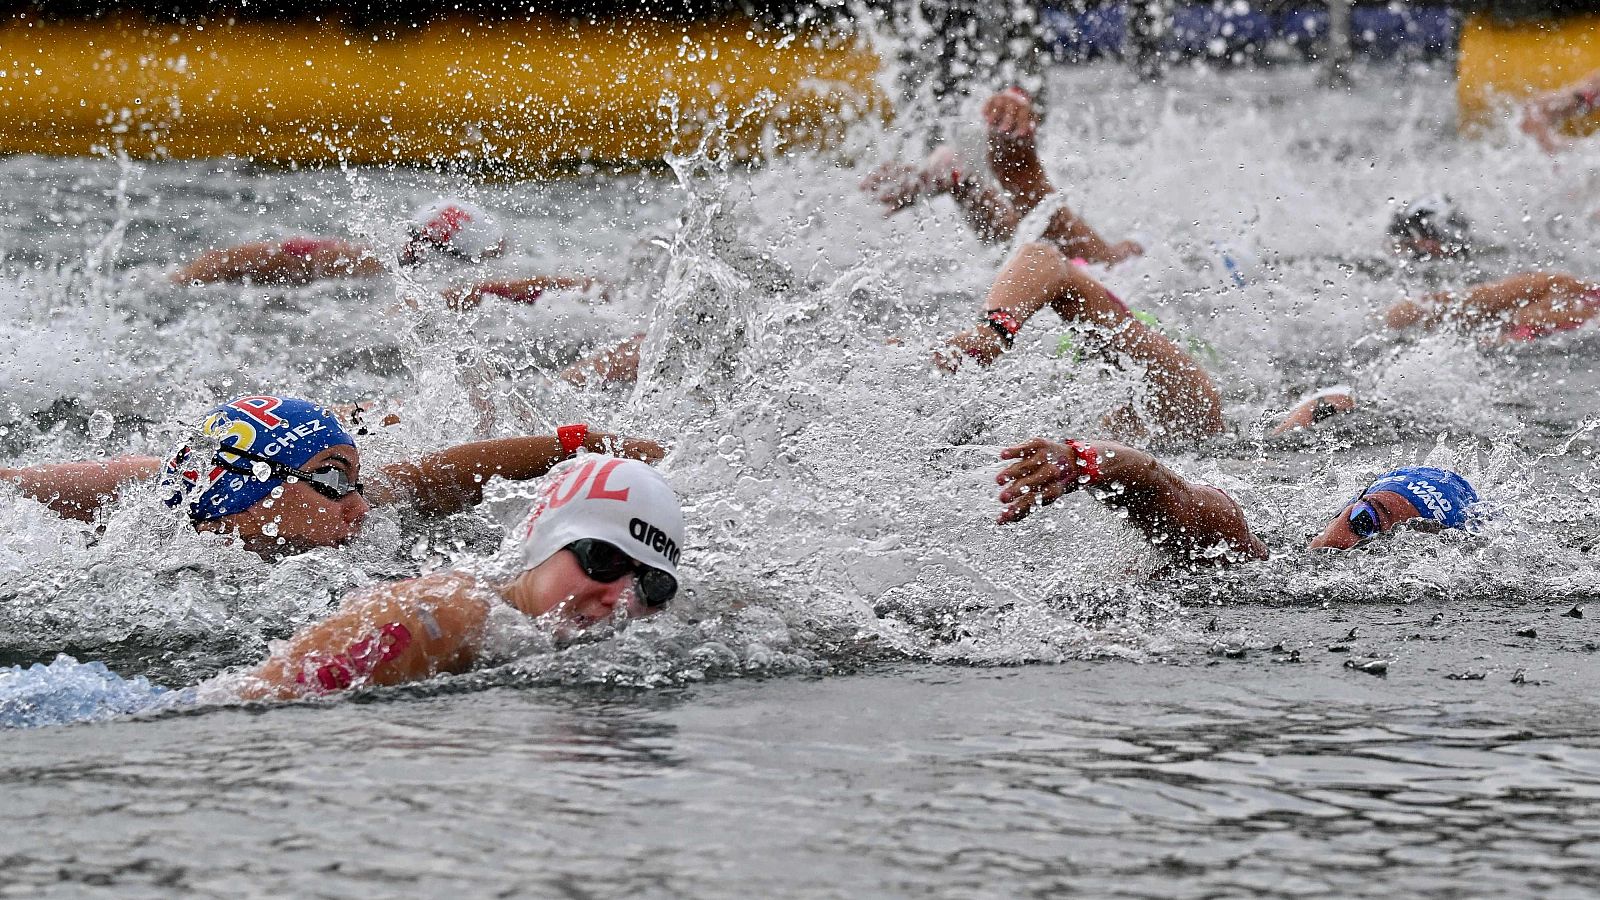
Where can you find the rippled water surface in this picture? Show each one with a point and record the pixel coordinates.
(868, 689)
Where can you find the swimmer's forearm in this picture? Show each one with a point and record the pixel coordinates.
(520, 290)
(1170, 511)
(451, 480)
(987, 211)
(79, 490)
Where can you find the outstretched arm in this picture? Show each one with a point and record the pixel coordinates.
(1535, 299)
(451, 480)
(1197, 521)
(395, 633)
(78, 490)
(519, 290)
(294, 261)
(1182, 396)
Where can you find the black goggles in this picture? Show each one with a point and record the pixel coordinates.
(605, 563)
(328, 481)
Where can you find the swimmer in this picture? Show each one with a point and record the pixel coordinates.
(281, 476)
(1545, 113)
(995, 211)
(1183, 399)
(1520, 308)
(1200, 523)
(600, 545)
(1430, 228)
(456, 228)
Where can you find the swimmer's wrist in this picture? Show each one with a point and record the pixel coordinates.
(573, 437)
(1004, 324)
(1085, 470)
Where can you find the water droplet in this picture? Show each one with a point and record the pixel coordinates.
(261, 470)
(270, 529)
(100, 423)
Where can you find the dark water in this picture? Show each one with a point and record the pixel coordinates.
(1211, 774)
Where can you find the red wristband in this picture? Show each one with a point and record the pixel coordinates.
(572, 437)
(1088, 460)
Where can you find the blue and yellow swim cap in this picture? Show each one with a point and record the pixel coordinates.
(1438, 494)
(282, 429)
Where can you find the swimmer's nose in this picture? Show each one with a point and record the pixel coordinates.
(354, 509)
(613, 594)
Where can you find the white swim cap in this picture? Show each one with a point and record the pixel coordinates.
(620, 501)
(462, 228)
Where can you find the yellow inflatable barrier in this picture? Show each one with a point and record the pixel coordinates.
(523, 95)
(1501, 63)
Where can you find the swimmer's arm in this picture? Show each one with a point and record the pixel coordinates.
(78, 490)
(1076, 238)
(266, 262)
(1183, 397)
(986, 209)
(396, 633)
(1525, 295)
(613, 365)
(520, 290)
(1314, 409)
(451, 480)
(1192, 519)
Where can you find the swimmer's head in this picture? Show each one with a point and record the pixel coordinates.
(278, 472)
(1435, 498)
(454, 226)
(1431, 227)
(604, 533)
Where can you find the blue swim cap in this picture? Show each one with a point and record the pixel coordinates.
(282, 429)
(1438, 494)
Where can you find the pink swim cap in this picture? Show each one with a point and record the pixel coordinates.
(462, 228)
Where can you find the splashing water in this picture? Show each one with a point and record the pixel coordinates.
(839, 491)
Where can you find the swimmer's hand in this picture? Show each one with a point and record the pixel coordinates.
(633, 448)
(1009, 114)
(897, 185)
(1121, 251)
(980, 343)
(1043, 473)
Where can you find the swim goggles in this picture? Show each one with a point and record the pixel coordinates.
(1363, 519)
(328, 481)
(604, 563)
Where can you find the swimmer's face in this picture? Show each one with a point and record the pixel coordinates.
(1391, 509)
(419, 245)
(559, 585)
(302, 519)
